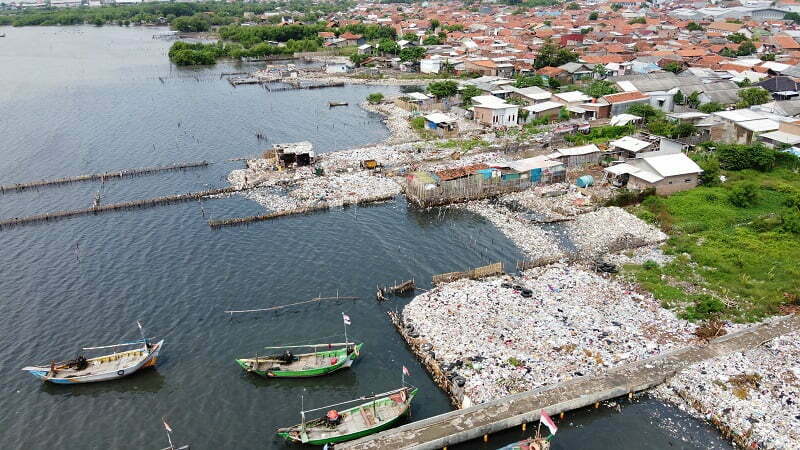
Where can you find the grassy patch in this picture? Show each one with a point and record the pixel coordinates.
(464, 145)
(737, 262)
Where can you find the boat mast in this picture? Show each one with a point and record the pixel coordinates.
(144, 338)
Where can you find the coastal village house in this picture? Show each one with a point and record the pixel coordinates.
(494, 112)
(666, 172)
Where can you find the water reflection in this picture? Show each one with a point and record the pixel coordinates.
(145, 381)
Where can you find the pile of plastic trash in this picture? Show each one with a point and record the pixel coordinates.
(551, 324)
(755, 393)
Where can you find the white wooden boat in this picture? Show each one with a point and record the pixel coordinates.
(101, 368)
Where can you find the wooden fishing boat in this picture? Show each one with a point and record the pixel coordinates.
(316, 363)
(529, 444)
(333, 104)
(381, 412)
(101, 368)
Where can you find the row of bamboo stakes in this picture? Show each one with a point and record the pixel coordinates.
(289, 212)
(101, 176)
(147, 203)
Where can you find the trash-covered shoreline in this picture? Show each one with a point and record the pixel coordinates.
(550, 324)
(753, 395)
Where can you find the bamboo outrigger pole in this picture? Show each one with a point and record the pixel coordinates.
(274, 308)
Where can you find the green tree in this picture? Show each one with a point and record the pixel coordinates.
(388, 46)
(528, 81)
(98, 22)
(678, 98)
(673, 66)
(640, 20)
(746, 48)
(593, 15)
(728, 53)
(753, 96)
(586, 30)
(412, 53)
(616, 7)
(768, 57)
(600, 88)
(793, 16)
(737, 38)
(193, 24)
(600, 70)
(563, 114)
(694, 27)
(742, 157)
(358, 59)
(710, 166)
(552, 55)
(468, 92)
(682, 130)
(573, 6)
(431, 40)
(693, 100)
(443, 89)
(411, 37)
(375, 98)
(646, 112)
(434, 24)
(710, 107)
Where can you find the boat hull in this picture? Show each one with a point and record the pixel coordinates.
(295, 437)
(150, 360)
(315, 372)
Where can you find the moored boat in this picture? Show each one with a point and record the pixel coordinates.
(379, 413)
(336, 356)
(334, 104)
(529, 444)
(101, 368)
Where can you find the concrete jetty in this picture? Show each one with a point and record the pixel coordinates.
(476, 421)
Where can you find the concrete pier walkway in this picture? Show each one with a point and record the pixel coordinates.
(474, 422)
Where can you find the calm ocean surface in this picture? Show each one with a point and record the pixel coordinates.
(83, 100)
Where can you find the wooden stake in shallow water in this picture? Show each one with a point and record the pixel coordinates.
(275, 308)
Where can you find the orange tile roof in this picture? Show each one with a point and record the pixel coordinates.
(624, 97)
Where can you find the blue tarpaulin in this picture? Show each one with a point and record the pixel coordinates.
(536, 174)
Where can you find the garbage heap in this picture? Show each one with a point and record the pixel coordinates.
(754, 394)
(589, 235)
(553, 323)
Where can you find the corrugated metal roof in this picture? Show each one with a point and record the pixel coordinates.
(672, 164)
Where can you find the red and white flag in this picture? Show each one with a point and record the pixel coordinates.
(346, 319)
(545, 419)
(166, 425)
(405, 372)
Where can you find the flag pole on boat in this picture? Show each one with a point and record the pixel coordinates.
(144, 338)
(169, 430)
(346, 320)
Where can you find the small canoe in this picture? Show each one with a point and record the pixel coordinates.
(314, 364)
(333, 104)
(101, 368)
(382, 412)
(534, 443)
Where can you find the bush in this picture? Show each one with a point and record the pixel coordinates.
(375, 98)
(627, 198)
(710, 107)
(741, 157)
(744, 195)
(710, 166)
(790, 221)
(418, 123)
(650, 265)
(704, 307)
(191, 24)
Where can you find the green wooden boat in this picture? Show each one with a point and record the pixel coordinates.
(381, 412)
(313, 364)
